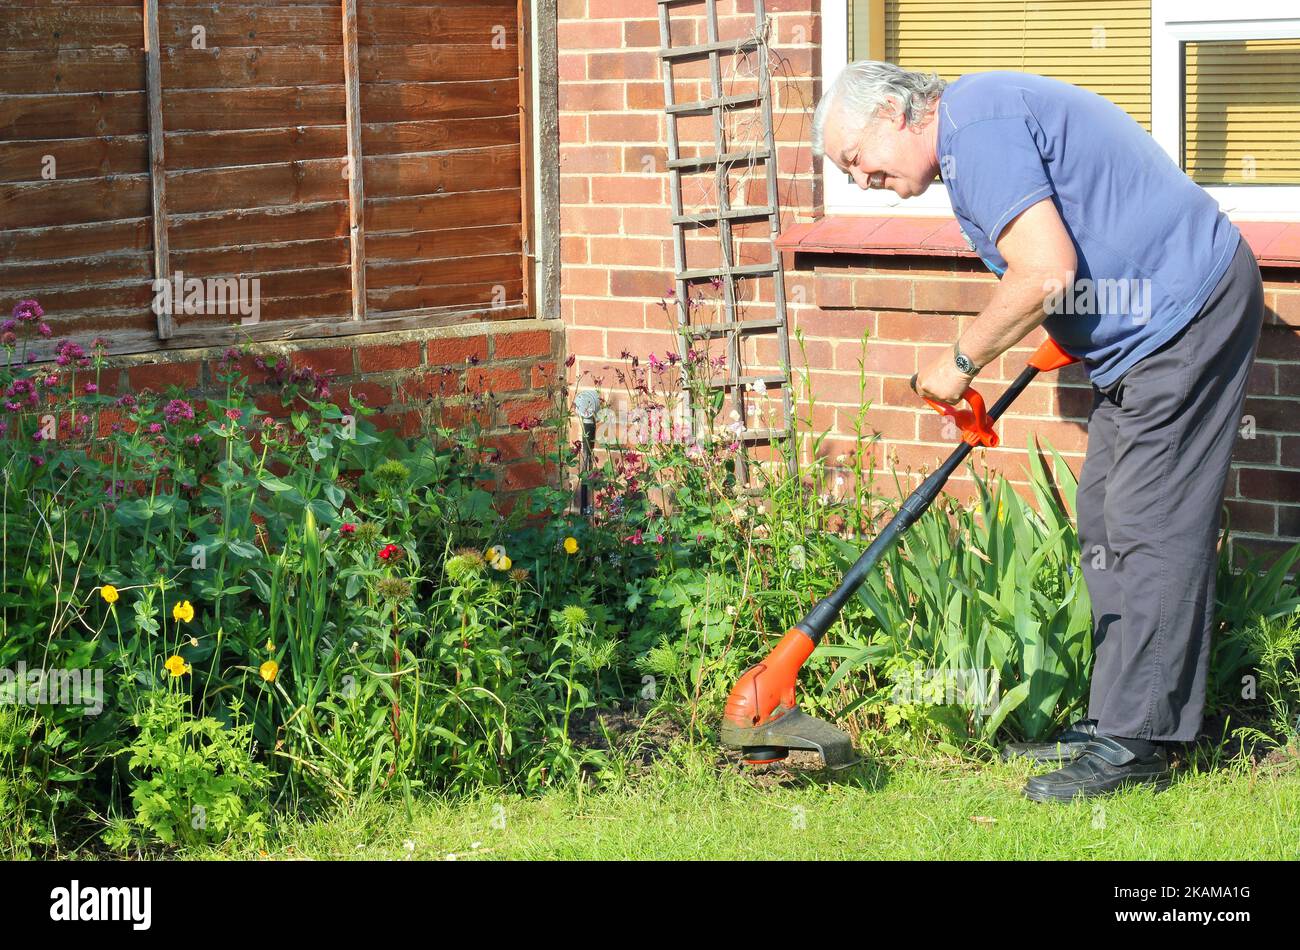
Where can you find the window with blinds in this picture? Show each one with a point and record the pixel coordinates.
(1241, 121)
(1102, 45)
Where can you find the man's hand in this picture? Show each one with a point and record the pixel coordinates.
(943, 381)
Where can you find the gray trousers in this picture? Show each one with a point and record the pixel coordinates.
(1149, 504)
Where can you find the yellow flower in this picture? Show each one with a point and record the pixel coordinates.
(503, 563)
(270, 647)
(193, 641)
(176, 666)
(496, 556)
(109, 593)
(184, 611)
(269, 670)
(571, 545)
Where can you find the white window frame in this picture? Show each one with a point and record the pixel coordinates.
(1174, 22)
(842, 195)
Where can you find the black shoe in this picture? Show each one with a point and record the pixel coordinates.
(1103, 767)
(1065, 746)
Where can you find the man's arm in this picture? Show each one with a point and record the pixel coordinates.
(1040, 256)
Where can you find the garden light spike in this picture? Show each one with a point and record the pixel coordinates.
(762, 717)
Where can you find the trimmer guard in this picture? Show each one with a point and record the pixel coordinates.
(793, 729)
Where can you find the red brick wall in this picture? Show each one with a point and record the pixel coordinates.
(618, 264)
(495, 374)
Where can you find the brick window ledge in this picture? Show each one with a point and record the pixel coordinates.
(1275, 243)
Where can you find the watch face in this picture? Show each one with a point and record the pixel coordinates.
(964, 364)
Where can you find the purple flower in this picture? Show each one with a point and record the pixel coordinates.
(44, 330)
(178, 410)
(28, 310)
(8, 338)
(91, 389)
(155, 427)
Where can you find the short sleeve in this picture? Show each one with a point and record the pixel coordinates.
(994, 170)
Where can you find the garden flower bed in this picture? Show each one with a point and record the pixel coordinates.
(285, 612)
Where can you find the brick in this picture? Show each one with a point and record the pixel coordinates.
(1251, 516)
(493, 380)
(590, 158)
(1286, 308)
(1073, 402)
(454, 350)
(634, 64)
(530, 343)
(915, 327)
(586, 34)
(625, 127)
(645, 95)
(590, 220)
(1290, 448)
(323, 359)
(627, 189)
(952, 296)
(1260, 450)
(574, 250)
(1279, 343)
(643, 33)
(591, 97)
(160, 376)
(1288, 521)
(572, 67)
(834, 291)
(893, 358)
(388, 356)
(512, 445)
(1288, 378)
(516, 411)
(542, 375)
(524, 475)
(641, 283)
(882, 293)
(584, 281)
(429, 386)
(1269, 484)
(372, 394)
(645, 252)
(1272, 415)
(1262, 552)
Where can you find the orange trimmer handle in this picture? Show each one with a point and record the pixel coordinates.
(1050, 356)
(975, 424)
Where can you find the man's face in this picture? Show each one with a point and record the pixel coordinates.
(886, 154)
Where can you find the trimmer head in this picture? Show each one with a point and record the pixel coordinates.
(763, 720)
(773, 740)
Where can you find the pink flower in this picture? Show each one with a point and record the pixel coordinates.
(659, 539)
(44, 330)
(28, 310)
(91, 389)
(233, 415)
(154, 428)
(178, 410)
(634, 538)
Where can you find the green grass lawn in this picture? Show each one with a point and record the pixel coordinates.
(689, 809)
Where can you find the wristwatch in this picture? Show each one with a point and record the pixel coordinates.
(965, 365)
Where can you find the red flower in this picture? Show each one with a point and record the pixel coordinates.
(389, 552)
(347, 528)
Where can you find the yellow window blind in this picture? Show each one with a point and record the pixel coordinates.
(1102, 45)
(1241, 123)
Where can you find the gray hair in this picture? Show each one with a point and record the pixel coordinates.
(869, 88)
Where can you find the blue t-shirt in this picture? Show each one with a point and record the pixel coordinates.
(1151, 243)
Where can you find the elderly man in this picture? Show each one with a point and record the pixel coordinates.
(1129, 265)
